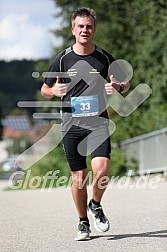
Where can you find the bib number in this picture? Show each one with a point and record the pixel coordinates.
(85, 106)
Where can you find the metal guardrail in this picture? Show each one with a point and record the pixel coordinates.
(148, 152)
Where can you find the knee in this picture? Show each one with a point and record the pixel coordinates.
(101, 178)
(101, 169)
(79, 179)
(101, 172)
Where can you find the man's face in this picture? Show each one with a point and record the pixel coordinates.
(83, 29)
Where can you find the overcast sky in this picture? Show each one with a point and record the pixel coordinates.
(24, 29)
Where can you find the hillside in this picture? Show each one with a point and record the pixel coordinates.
(17, 83)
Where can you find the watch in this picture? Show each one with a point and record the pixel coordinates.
(121, 88)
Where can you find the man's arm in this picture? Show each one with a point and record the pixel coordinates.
(46, 91)
(113, 86)
(59, 89)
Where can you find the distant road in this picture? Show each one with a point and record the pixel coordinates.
(35, 221)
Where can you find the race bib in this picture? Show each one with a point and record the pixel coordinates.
(85, 106)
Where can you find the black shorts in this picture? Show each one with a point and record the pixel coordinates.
(96, 143)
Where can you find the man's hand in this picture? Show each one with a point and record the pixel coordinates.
(59, 89)
(112, 86)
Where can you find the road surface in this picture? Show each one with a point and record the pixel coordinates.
(37, 221)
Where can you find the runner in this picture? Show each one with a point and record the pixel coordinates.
(85, 120)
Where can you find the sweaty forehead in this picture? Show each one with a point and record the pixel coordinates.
(84, 20)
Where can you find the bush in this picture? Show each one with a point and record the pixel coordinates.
(118, 163)
(52, 162)
(21, 143)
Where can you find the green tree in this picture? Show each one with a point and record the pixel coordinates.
(17, 83)
(1, 126)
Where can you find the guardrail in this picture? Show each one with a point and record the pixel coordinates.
(148, 152)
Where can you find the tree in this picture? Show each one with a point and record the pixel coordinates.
(17, 83)
(1, 126)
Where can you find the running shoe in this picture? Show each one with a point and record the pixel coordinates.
(83, 231)
(101, 223)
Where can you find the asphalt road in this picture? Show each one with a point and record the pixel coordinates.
(31, 220)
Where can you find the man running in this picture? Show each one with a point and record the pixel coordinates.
(85, 119)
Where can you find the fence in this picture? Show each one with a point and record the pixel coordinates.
(148, 152)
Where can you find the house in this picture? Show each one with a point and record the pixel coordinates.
(16, 125)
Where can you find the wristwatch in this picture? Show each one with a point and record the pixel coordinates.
(121, 88)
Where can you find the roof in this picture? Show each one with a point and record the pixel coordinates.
(18, 123)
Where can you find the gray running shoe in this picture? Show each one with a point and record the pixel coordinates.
(83, 231)
(101, 223)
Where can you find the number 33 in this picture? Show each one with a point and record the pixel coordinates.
(85, 106)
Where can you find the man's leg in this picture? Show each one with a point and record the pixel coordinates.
(76, 162)
(79, 191)
(100, 167)
(100, 147)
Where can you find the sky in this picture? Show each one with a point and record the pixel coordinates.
(24, 29)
